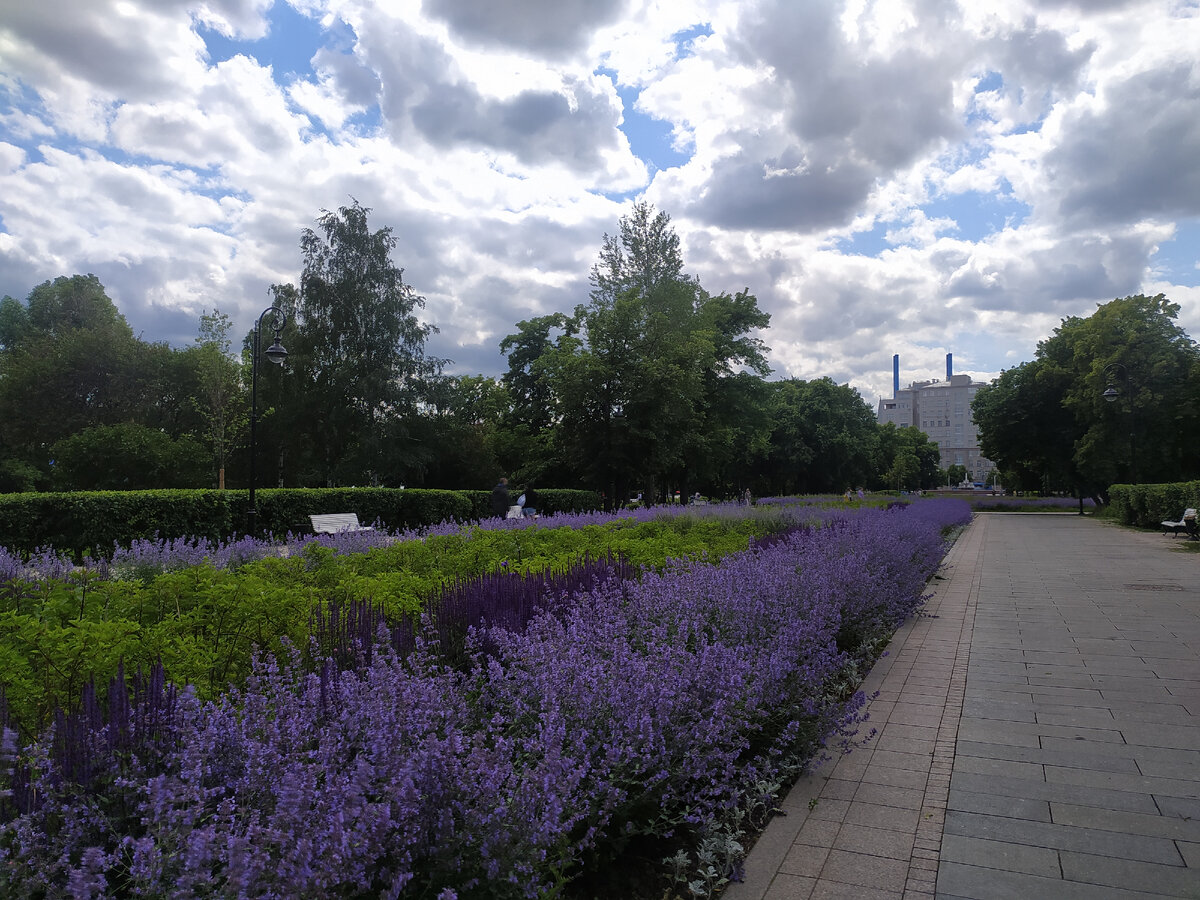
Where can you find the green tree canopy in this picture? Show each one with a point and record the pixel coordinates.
(905, 460)
(70, 361)
(461, 417)
(218, 400)
(824, 438)
(1048, 422)
(643, 385)
(357, 366)
(128, 456)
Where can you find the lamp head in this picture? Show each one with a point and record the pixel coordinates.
(276, 353)
(1110, 394)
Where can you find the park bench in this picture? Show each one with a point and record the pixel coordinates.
(337, 523)
(1186, 524)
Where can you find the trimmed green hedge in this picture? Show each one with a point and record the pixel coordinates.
(91, 521)
(94, 521)
(1146, 505)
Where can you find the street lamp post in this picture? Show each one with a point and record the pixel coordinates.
(276, 354)
(1111, 393)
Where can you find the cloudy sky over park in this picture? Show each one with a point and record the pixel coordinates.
(886, 176)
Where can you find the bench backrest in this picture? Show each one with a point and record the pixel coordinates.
(332, 523)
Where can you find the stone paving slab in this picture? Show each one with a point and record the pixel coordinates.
(870, 825)
(1039, 734)
(1095, 659)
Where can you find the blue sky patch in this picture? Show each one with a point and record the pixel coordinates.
(1178, 260)
(649, 138)
(867, 243)
(291, 42)
(684, 38)
(25, 101)
(992, 81)
(977, 215)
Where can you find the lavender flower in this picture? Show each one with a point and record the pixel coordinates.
(580, 728)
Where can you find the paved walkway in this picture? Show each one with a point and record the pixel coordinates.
(1039, 734)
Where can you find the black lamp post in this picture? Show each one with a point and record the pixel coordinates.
(276, 354)
(1111, 394)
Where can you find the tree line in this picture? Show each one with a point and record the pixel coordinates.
(1110, 398)
(654, 385)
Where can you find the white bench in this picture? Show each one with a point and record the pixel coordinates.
(337, 523)
(1186, 524)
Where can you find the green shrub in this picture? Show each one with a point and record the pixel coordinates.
(92, 522)
(82, 522)
(1146, 505)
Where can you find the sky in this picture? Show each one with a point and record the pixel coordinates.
(912, 177)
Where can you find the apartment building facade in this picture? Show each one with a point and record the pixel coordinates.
(941, 409)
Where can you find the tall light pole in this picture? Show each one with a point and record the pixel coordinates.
(276, 354)
(1111, 394)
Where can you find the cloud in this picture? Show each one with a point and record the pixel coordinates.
(572, 127)
(553, 28)
(786, 192)
(1132, 155)
(109, 48)
(835, 152)
(829, 116)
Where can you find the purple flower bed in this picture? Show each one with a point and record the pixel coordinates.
(615, 726)
(145, 558)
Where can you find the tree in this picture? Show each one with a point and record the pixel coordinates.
(1024, 429)
(734, 424)
(528, 388)
(955, 475)
(524, 443)
(644, 384)
(906, 460)
(70, 361)
(641, 256)
(824, 438)
(78, 303)
(14, 323)
(1150, 433)
(356, 355)
(127, 457)
(461, 416)
(1047, 421)
(219, 400)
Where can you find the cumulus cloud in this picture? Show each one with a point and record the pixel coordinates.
(545, 27)
(1132, 155)
(829, 116)
(109, 48)
(922, 177)
(571, 127)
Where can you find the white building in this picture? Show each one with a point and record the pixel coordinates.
(941, 409)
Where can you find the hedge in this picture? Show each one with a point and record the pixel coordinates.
(94, 522)
(1146, 505)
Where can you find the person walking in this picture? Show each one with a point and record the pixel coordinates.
(529, 508)
(500, 501)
